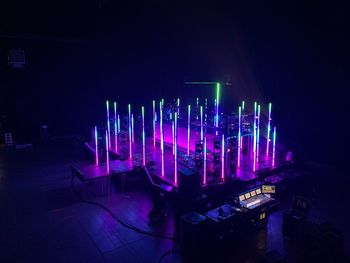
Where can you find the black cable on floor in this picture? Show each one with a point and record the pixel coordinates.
(119, 220)
(170, 251)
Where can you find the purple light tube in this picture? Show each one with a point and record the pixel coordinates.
(239, 136)
(96, 146)
(129, 128)
(206, 110)
(178, 107)
(173, 135)
(268, 130)
(118, 123)
(175, 149)
(258, 135)
(223, 158)
(188, 130)
(107, 152)
(205, 161)
(161, 135)
(108, 125)
(274, 147)
(115, 127)
(143, 137)
(197, 101)
(201, 122)
(254, 139)
(154, 122)
(132, 128)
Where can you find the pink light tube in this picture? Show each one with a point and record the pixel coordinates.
(154, 122)
(108, 125)
(258, 135)
(205, 161)
(96, 146)
(107, 152)
(143, 137)
(161, 135)
(254, 139)
(173, 135)
(188, 130)
(242, 112)
(223, 158)
(268, 130)
(115, 127)
(129, 124)
(201, 123)
(132, 128)
(217, 104)
(239, 136)
(175, 149)
(274, 147)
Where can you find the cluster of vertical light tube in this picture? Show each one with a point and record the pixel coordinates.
(175, 149)
(130, 138)
(107, 152)
(239, 136)
(154, 123)
(201, 111)
(274, 147)
(143, 137)
(254, 139)
(223, 157)
(188, 130)
(161, 135)
(108, 125)
(268, 130)
(115, 128)
(205, 161)
(96, 146)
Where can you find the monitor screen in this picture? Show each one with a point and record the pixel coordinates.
(241, 198)
(258, 191)
(268, 189)
(247, 195)
(253, 193)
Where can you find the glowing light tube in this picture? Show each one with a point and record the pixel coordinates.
(132, 128)
(254, 139)
(258, 135)
(143, 137)
(173, 135)
(178, 107)
(201, 123)
(107, 152)
(188, 130)
(217, 104)
(115, 127)
(205, 161)
(242, 111)
(96, 146)
(129, 128)
(108, 125)
(118, 123)
(268, 130)
(175, 148)
(197, 108)
(223, 158)
(154, 123)
(243, 104)
(205, 111)
(274, 147)
(161, 135)
(239, 136)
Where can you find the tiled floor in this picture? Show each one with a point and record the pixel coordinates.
(42, 220)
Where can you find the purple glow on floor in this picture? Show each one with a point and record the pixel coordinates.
(96, 146)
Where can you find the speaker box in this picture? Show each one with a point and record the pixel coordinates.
(188, 182)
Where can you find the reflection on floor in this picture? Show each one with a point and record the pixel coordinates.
(43, 221)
